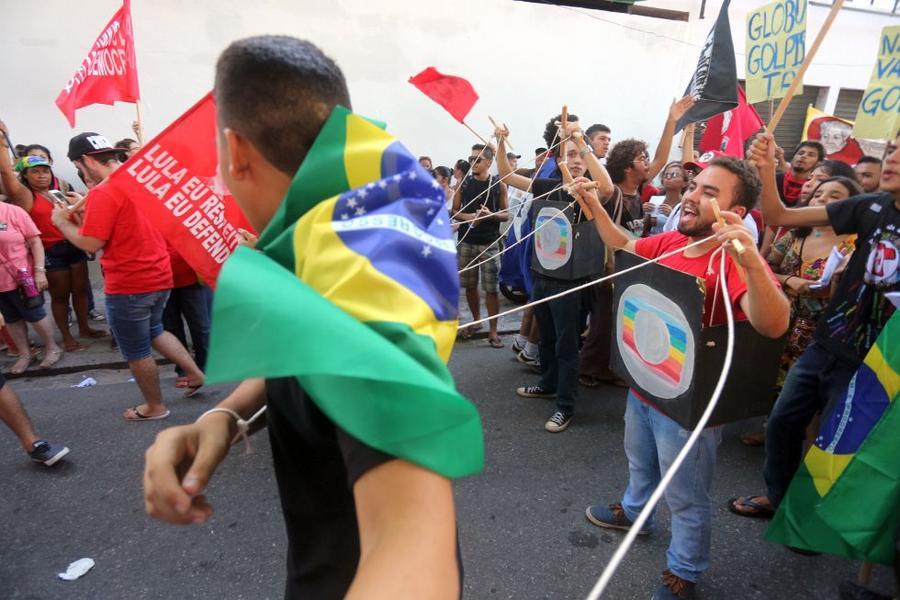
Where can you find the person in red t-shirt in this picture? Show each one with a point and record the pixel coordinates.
(137, 273)
(187, 303)
(653, 440)
(66, 265)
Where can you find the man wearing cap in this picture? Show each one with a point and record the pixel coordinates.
(137, 271)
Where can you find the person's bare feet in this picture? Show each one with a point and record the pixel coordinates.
(72, 345)
(87, 332)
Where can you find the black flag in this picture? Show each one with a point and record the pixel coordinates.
(714, 84)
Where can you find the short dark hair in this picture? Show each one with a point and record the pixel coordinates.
(124, 143)
(539, 151)
(837, 168)
(443, 171)
(749, 185)
(869, 160)
(551, 130)
(20, 150)
(463, 165)
(428, 158)
(622, 156)
(812, 144)
(277, 91)
(40, 147)
(104, 158)
(486, 151)
(596, 128)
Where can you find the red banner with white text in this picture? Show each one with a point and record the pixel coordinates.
(108, 73)
(174, 181)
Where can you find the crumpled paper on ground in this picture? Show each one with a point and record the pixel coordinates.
(77, 569)
(86, 382)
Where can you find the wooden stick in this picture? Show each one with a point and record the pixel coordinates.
(475, 133)
(564, 122)
(782, 106)
(494, 123)
(569, 180)
(736, 244)
(140, 123)
(865, 573)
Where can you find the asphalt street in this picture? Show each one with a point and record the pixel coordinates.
(522, 527)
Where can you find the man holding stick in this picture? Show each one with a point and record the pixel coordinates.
(653, 440)
(863, 302)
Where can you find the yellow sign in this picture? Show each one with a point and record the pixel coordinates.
(879, 112)
(776, 45)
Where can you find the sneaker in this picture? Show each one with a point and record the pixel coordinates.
(674, 587)
(534, 391)
(96, 315)
(516, 347)
(611, 516)
(46, 453)
(558, 422)
(532, 363)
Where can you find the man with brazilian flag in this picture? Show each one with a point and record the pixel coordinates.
(340, 323)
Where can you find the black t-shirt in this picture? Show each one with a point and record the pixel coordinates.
(316, 465)
(859, 309)
(545, 189)
(472, 197)
(626, 210)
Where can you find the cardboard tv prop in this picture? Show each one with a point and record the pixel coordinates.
(661, 349)
(565, 248)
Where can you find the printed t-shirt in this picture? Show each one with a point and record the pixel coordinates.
(861, 305)
(41, 213)
(134, 258)
(16, 227)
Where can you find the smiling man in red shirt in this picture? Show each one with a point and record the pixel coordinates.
(137, 272)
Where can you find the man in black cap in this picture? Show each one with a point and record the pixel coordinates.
(137, 272)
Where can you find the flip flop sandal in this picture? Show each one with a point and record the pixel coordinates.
(25, 361)
(138, 416)
(589, 382)
(191, 390)
(757, 510)
(51, 359)
(753, 438)
(495, 342)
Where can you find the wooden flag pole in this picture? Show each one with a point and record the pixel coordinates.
(140, 123)
(782, 106)
(494, 123)
(475, 133)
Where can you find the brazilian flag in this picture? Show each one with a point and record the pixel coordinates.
(845, 498)
(354, 291)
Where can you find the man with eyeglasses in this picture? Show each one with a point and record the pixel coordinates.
(480, 204)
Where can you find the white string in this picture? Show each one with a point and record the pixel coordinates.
(511, 246)
(590, 283)
(638, 524)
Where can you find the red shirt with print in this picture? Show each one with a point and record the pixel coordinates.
(134, 258)
(41, 210)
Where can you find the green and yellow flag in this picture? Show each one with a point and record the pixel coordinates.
(845, 498)
(355, 293)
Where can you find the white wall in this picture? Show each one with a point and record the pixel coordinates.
(524, 59)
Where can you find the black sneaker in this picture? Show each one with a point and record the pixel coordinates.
(46, 453)
(558, 422)
(534, 391)
(533, 363)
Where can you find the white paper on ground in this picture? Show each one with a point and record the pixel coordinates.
(834, 261)
(77, 569)
(87, 382)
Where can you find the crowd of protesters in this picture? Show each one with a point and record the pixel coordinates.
(792, 216)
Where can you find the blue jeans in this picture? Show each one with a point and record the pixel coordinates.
(190, 304)
(652, 440)
(817, 378)
(136, 320)
(558, 324)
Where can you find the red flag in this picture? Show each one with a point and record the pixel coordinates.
(108, 73)
(726, 132)
(455, 94)
(174, 180)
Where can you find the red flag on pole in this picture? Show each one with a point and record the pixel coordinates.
(174, 180)
(726, 132)
(108, 73)
(455, 94)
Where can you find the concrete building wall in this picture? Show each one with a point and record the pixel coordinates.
(524, 59)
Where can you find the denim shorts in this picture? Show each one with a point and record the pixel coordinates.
(62, 255)
(136, 320)
(12, 307)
